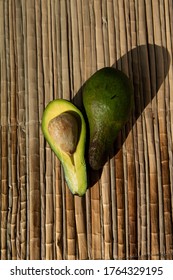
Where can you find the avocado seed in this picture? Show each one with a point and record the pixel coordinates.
(64, 130)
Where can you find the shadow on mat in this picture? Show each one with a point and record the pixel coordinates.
(147, 66)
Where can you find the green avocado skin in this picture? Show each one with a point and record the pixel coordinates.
(108, 100)
(74, 165)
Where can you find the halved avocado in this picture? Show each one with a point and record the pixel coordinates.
(64, 128)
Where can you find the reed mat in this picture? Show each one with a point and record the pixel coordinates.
(48, 49)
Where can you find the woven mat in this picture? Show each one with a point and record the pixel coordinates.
(48, 49)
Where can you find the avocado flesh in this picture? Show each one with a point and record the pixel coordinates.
(108, 100)
(69, 146)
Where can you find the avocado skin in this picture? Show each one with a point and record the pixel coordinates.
(108, 100)
(74, 165)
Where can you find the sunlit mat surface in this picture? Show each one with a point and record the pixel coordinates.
(48, 49)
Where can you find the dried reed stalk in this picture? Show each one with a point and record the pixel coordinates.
(159, 29)
(13, 140)
(4, 140)
(120, 202)
(21, 136)
(33, 136)
(81, 228)
(58, 213)
(70, 227)
(96, 225)
(106, 213)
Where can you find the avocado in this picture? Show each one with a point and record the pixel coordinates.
(108, 100)
(64, 128)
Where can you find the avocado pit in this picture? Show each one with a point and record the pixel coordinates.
(65, 130)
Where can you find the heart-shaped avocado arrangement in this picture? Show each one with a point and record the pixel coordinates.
(107, 100)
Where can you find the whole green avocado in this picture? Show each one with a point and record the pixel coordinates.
(108, 100)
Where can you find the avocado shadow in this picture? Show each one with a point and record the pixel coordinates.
(146, 66)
